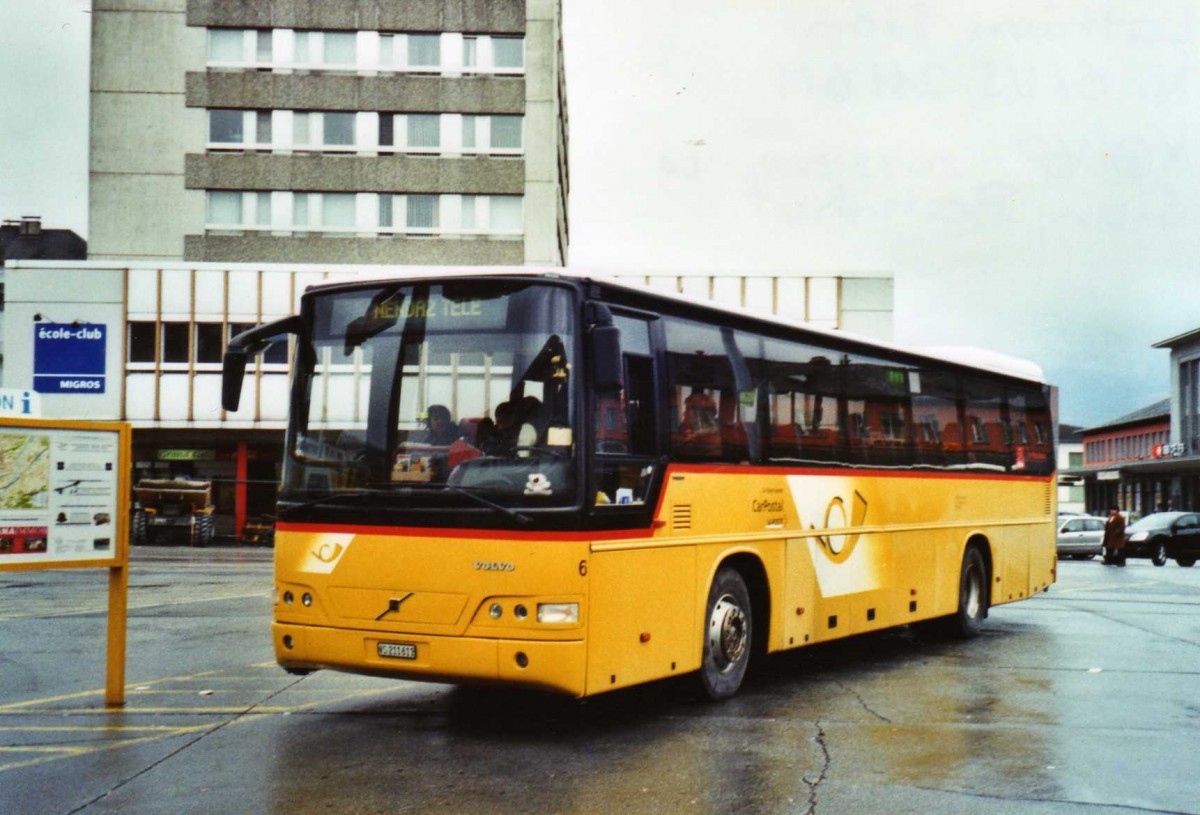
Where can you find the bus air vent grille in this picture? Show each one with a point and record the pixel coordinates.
(681, 516)
(1049, 500)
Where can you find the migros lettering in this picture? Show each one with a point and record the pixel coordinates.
(79, 384)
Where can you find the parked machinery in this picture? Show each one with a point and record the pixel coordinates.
(173, 511)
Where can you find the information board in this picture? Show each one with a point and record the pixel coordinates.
(63, 493)
(69, 357)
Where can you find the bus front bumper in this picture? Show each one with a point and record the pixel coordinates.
(556, 666)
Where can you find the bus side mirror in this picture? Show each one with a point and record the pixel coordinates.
(245, 345)
(607, 370)
(233, 371)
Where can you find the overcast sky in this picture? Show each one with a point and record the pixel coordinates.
(1028, 172)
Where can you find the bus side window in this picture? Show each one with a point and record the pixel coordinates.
(625, 423)
(706, 420)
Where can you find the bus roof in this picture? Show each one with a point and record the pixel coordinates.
(966, 356)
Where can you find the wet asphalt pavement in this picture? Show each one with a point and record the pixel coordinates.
(1082, 700)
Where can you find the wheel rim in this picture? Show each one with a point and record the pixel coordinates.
(727, 633)
(974, 594)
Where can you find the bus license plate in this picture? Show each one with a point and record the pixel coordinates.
(397, 650)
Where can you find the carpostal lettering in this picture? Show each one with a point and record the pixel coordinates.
(83, 333)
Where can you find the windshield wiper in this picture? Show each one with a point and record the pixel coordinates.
(391, 488)
(348, 495)
(519, 517)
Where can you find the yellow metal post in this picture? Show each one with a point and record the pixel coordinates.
(118, 606)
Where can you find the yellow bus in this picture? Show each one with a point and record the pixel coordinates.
(561, 482)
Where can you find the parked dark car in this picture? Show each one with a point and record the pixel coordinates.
(1165, 535)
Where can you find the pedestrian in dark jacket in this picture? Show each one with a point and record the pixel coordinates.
(1114, 538)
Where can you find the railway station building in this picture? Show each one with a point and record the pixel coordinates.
(1150, 459)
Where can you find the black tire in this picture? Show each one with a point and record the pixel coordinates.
(137, 530)
(1186, 562)
(202, 531)
(1158, 553)
(728, 635)
(973, 584)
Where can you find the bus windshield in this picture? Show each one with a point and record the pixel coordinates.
(435, 395)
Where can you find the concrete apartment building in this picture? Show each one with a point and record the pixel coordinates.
(358, 132)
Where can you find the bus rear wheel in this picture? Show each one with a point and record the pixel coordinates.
(728, 635)
(972, 595)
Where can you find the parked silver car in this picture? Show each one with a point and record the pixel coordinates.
(1080, 536)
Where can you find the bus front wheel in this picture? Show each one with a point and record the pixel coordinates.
(972, 595)
(728, 635)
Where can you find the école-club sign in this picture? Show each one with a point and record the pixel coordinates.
(68, 357)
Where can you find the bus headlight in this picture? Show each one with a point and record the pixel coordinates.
(558, 612)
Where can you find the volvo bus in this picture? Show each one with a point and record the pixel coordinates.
(625, 486)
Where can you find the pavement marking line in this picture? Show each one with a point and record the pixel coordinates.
(107, 728)
(104, 608)
(60, 753)
(1103, 586)
(224, 710)
(215, 717)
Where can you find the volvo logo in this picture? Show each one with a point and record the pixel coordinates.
(494, 566)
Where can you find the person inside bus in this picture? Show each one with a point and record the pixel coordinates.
(440, 428)
(530, 429)
(701, 435)
(513, 428)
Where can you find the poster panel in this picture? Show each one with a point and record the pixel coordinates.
(63, 493)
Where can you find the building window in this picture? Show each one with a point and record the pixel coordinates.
(506, 132)
(507, 214)
(337, 210)
(226, 46)
(468, 132)
(468, 212)
(387, 130)
(262, 208)
(341, 49)
(508, 52)
(175, 342)
(141, 341)
(226, 126)
(300, 209)
(262, 127)
(470, 57)
(422, 211)
(424, 50)
(224, 209)
(424, 130)
(339, 129)
(301, 129)
(208, 342)
(301, 49)
(263, 47)
(385, 211)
